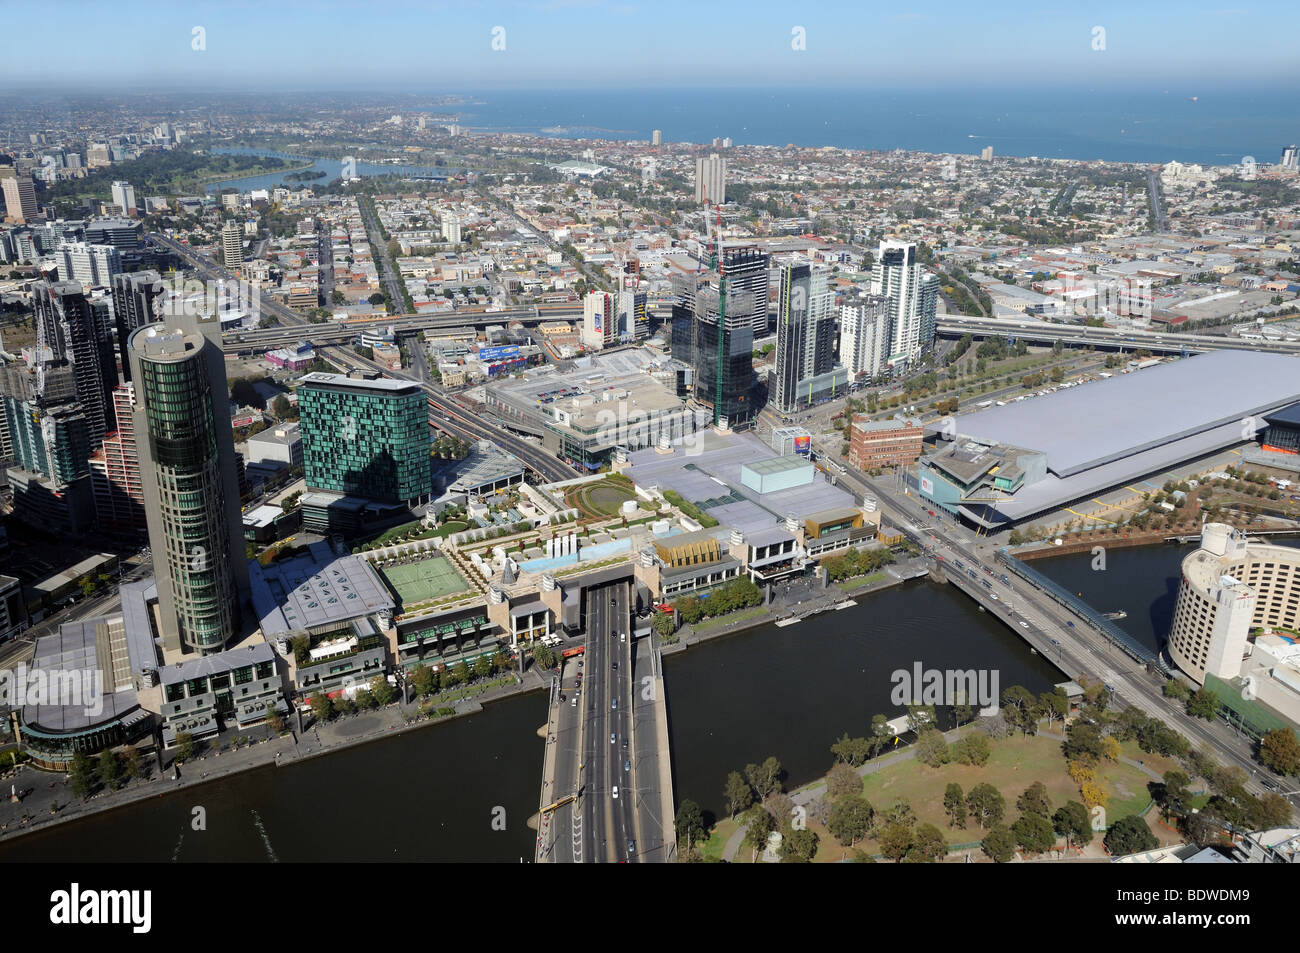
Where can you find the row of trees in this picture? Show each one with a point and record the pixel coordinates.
(425, 681)
(110, 771)
(738, 593)
(376, 695)
(856, 562)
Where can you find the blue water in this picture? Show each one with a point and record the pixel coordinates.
(1121, 125)
(586, 553)
(333, 169)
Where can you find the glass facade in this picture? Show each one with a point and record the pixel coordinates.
(177, 401)
(365, 441)
(723, 364)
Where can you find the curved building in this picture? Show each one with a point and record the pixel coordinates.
(1230, 586)
(190, 486)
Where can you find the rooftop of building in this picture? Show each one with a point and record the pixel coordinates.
(773, 465)
(1287, 416)
(893, 423)
(217, 664)
(1131, 413)
(313, 589)
(104, 655)
(281, 434)
(342, 381)
(693, 471)
(486, 463)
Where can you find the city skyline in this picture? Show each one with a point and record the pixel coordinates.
(923, 379)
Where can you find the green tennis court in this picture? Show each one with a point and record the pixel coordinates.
(424, 579)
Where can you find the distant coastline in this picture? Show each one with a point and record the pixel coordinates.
(1141, 125)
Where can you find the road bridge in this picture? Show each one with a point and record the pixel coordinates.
(1054, 628)
(1045, 332)
(609, 750)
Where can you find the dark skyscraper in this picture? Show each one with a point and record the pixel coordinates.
(721, 356)
(135, 304)
(74, 333)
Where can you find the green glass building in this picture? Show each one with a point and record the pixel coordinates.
(365, 437)
(191, 489)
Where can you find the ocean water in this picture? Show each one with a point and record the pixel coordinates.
(1180, 122)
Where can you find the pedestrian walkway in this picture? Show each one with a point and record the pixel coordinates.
(46, 797)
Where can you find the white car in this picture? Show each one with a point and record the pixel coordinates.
(616, 792)
(1024, 625)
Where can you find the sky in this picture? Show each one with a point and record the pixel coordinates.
(468, 45)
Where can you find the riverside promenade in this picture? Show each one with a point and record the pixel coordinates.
(46, 798)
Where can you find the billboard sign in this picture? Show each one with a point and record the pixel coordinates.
(498, 353)
(803, 445)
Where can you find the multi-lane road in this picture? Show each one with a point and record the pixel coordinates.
(611, 745)
(388, 271)
(607, 801)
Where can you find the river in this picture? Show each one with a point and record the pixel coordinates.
(789, 692)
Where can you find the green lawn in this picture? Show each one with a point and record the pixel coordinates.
(718, 838)
(600, 499)
(1014, 765)
(425, 579)
(738, 616)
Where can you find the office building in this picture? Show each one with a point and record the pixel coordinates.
(913, 296)
(115, 472)
(610, 318)
(805, 339)
(865, 336)
(987, 153)
(136, 302)
(876, 445)
(52, 440)
(599, 321)
(19, 381)
(720, 356)
(586, 415)
(20, 195)
(711, 180)
(633, 321)
(190, 485)
(366, 438)
(124, 197)
(237, 688)
(1291, 159)
(122, 233)
(232, 246)
(656, 138)
(74, 332)
(278, 447)
(747, 271)
(50, 477)
(91, 265)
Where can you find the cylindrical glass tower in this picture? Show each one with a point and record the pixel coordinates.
(188, 525)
